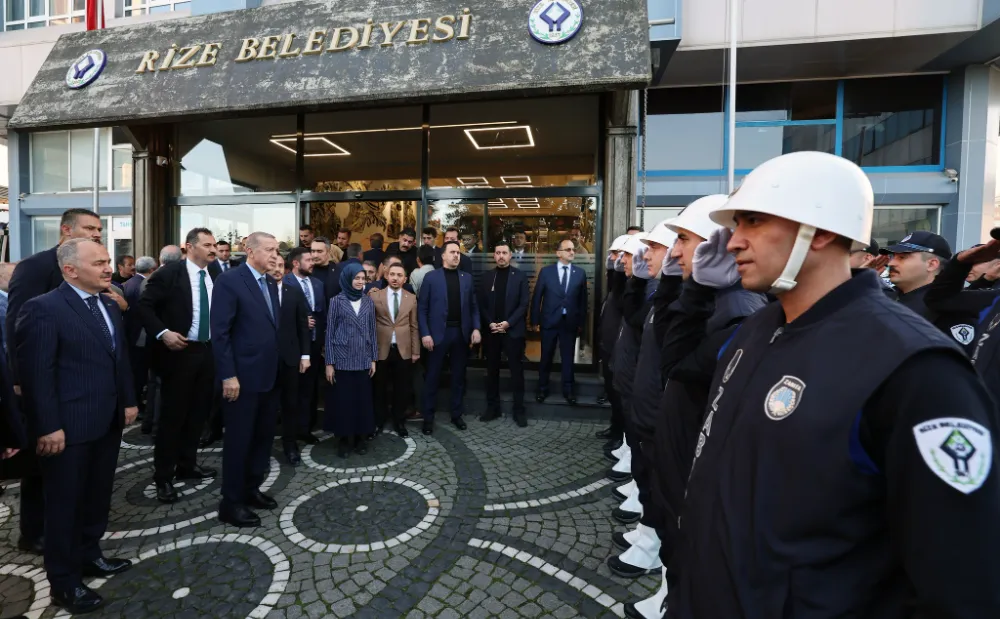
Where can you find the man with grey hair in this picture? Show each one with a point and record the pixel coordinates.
(170, 253)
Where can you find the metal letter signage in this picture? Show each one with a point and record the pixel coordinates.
(555, 21)
(86, 69)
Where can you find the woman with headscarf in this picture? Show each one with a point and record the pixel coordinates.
(351, 352)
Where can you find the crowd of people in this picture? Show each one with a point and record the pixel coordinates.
(876, 499)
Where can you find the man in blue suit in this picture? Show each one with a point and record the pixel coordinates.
(299, 426)
(449, 323)
(138, 352)
(244, 322)
(559, 307)
(77, 385)
(503, 300)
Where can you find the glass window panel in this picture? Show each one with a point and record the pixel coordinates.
(362, 150)
(59, 21)
(79, 5)
(163, 8)
(685, 141)
(15, 27)
(182, 6)
(234, 222)
(44, 232)
(122, 173)
(49, 162)
(755, 145)
(79, 19)
(15, 11)
(230, 157)
(787, 101)
(363, 218)
(890, 225)
(528, 143)
(37, 24)
(59, 7)
(36, 8)
(893, 121)
(82, 159)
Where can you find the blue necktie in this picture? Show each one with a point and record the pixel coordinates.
(267, 294)
(96, 311)
(309, 300)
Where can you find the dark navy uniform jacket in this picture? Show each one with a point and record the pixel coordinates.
(844, 469)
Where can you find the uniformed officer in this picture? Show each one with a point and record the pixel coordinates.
(611, 317)
(818, 490)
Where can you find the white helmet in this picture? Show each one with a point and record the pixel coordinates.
(634, 243)
(660, 234)
(619, 243)
(819, 191)
(696, 217)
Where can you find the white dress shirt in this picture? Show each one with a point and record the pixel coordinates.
(100, 304)
(392, 307)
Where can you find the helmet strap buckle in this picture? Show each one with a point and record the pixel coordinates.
(800, 249)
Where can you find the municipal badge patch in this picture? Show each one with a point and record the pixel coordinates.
(963, 334)
(958, 451)
(784, 397)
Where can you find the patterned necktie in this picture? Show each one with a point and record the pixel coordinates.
(203, 310)
(395, 306)
(267, 295)
(95, 309)
(309, 300)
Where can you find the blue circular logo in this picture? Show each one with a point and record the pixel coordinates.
(86, 69)
(555, 21)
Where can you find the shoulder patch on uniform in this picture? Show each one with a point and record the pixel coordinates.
(784, 397)
(963, 334)
(958, 451)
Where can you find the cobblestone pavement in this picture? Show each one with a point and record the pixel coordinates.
(496, 521)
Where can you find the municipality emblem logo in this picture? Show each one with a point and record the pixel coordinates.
(963, 334)
(86, 69)
(958, 451)
(784, 397)
(555, 21)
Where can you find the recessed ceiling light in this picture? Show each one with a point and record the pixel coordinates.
(527, 203)
(517, 136)
(336, 150)
(392, 129)
(516, 180)
(497, 203)
(473, 181)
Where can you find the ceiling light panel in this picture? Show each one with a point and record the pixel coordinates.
(493, 138)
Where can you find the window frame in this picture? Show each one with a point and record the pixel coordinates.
(72, 17)
(108, 173)
(132, 11)
(838, 121)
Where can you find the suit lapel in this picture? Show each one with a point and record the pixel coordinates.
(186, 295)
(83, 311)
(254, 289)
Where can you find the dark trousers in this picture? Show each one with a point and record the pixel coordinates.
(32, 506)
(308, 393)
(565, 337)
(615, 400)
(513, 347)
(154, 404)
(246, 447)
(288, 386)
(453, 344)
(187, 400)
(393, 388)
(140, 374)
(78, 485)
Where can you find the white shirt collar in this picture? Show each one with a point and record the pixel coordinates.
(193, 268)
(83, 295)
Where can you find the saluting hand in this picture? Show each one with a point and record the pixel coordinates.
(130, 414)
(983, 253)
(51, 444)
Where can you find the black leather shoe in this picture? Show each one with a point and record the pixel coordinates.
(540, 397)
(571, 400)
(521, 420)
(209, 439)
(606, 433)
(78, 601)
(428, 427)
(625, 517)
(106, 566)
(34, 546)
(292, 455)
(628, 570)
(602, 400)
(459, 423)
(614, 475)
(238, 516)
(260, 500)
(308, 439)
(361, 448)
(400, 430)
(165, 492)
(610, 457)
(343, 449)
(613, 444)
(489, 416)
(196, 472)
(618, 539)
(618, 494)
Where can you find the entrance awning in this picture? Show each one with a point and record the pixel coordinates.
(305, 55)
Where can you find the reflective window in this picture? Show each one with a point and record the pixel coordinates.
(49, 162)
(686, 129)
(893, 121)
(891, 224)
(81, 166)
(234, 222)
(62, 161)
(142, 7)
(787, 101)
(528, 143)
(363, 150)
(755, 145)
(363, 218)
(45, 232)
(229, 157)
(21, 14)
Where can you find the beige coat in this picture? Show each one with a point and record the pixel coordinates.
(406, 326)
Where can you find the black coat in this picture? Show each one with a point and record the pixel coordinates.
(516, 303)
(293, 325)
(32, 277)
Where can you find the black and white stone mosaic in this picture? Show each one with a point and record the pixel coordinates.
(496, 521)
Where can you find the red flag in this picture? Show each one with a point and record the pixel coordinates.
(95, 14)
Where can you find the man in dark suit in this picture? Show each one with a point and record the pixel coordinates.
(294, 343)
(375, 254)
(406, 249)
(503, 301)
(134, 333)
(13, 436)
(245, 344)
(223, 256)
(77, 383)
(449, 325)
(351, 255)
(301, 277)
(383, 281)
(465, 262)
(559, 307)
(125, 266)
(174, 310)
(34, 276)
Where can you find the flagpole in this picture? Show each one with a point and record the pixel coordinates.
(734, 25)
(99, 19)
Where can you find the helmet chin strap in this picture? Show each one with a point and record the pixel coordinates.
(786, 281)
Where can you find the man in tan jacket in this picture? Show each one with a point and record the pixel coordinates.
(398, 349)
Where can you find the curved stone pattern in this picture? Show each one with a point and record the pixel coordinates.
(4, 514)
(25, 589)
(386, 452)
(361, 513)
(373, 483)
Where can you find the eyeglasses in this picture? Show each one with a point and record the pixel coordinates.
(570, 250)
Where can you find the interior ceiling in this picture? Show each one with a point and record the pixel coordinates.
(835, 59)
(564, 130)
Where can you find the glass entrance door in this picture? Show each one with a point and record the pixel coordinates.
(363, 219)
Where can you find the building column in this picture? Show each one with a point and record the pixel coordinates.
(149, 192)
(972, 149)
(620, 167)
(19, 181)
